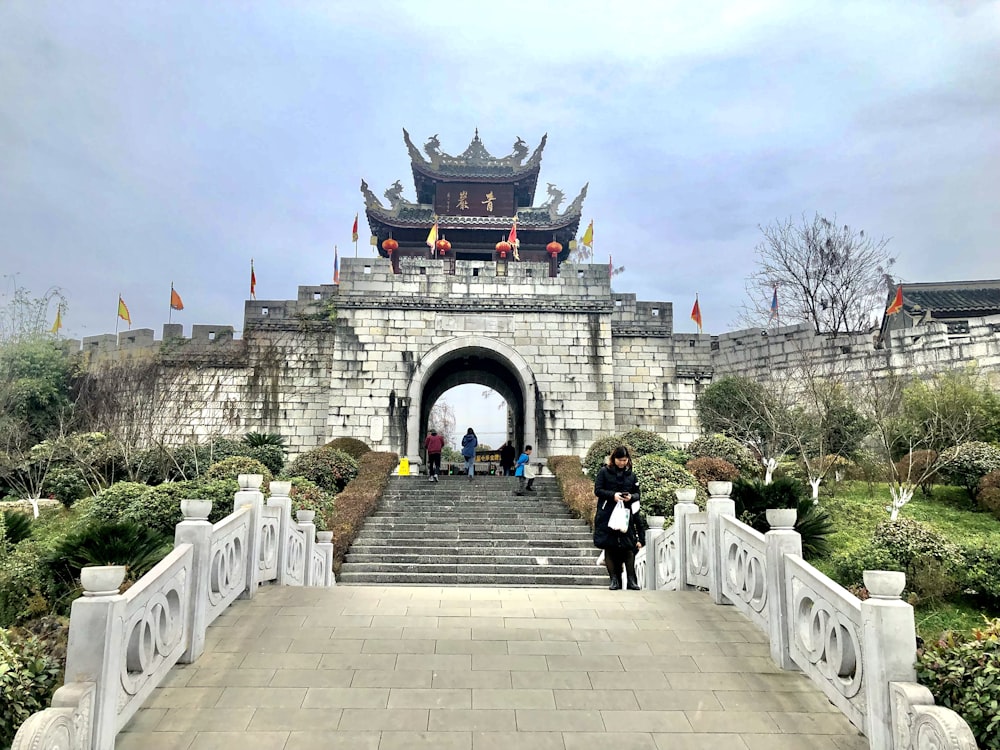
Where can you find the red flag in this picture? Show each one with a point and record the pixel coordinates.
(175, 299)
(354, 229)
(253, 282)
(512, 237)
(336, 265)
(897, 302)
(696, 313)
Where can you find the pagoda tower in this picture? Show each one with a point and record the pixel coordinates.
(474, 198)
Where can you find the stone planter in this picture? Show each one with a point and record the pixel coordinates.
(324, 537)
(884, 584)
(686, 495)
(250, 481)
(720, 489)
(196, 510)
(781, 518)
(305, 516)
(280, 489)
(655, 522)
(102, 580)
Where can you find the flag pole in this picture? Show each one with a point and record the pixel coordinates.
(116, 315)
(170, 306)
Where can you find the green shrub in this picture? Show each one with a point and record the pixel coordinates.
(358, 500)
(659, 478)
(907, 540)
(25, 589)
(644, 442)
(989, 500)
(576, 488)
(849, 567)
(967, 463)
(232, 467)
(28, 677)
(221, 492)
(66, 484)
(351, 446)
(814, 524)
(707, 469)
(789, 468)
(110, 504)
(258, 439)
(981, 581)
(720, 446)
(271, 456)
(16, 526)
(159, 507)
(597, 455)
(306, 495)
(963, 673)
(330, 468)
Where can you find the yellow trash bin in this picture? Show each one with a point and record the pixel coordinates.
(404, 467)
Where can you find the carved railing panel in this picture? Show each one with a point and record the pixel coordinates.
(825, 643)
(227, 561)
(154, 630)
(295, 555)
(920, 725)
(744, 582)
(68, 725)
(698, 553)
(665, 555)
(270, 523)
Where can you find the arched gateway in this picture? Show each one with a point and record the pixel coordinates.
(470, 283)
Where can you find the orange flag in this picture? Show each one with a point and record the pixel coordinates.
(175, 299)
(897, 303)
(696, 313)
(123, 311)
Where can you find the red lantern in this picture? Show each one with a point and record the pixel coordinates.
(389, 245)
(443, 246)
(554, 248)
(503, 247)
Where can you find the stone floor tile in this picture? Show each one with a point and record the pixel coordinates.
(471, 720)
(707, 681)
(388, 719)
(735, 664)
(740, 722)
(261, 697)
(309, 678)
(357, 661)
(224, 677)
(145, 720)
(184, 697)
(325, 646)
(155, 741)
(348, 697)
(779, 682)
(516, 662)
(435, 740)
(577, 636)
(517, 741)
(500, 633)
(216, 660)
(311, 740)
(619, 740)
(584, 663)
(430, 698)
(541, 720)
(545, 648)
(646, 721)
(617, 647)
(611, 700)
(512, 698)
(745, 649)
(250, 645)
(469, 646)
(551, 680)
(678, 700)
(280, 661)
(793, 702)
(390, 678)
(205, 720)
(272, 719)
(789, 742)
(707, 741)
(855, 742)
(813, 723)
(355, 632)
(629, 680)
(458, 678)
(179, 676)
(666, 664)
(244, 740)
(398, 646)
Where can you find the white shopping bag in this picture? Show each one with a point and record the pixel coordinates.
(619, 518)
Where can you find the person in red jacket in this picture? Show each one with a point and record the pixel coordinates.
(433, 443)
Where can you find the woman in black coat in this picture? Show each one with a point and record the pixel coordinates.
(616, 484)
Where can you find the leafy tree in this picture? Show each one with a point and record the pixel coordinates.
(827, 275)
(931, 408)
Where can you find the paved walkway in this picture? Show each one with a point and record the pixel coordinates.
(485, 669)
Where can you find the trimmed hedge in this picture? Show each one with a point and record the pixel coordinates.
(720, 446)
(577, 489)
(330, 468)
(359, 498)
(351, 446)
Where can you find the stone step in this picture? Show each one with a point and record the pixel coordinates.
(444, 532)
(471, 579)
(454, 557)
(564, 547)
(508, 522)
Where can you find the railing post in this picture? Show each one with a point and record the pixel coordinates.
(719, 504)
(279, 499)
(681, 510)
(324, 540)
(650, 542)
(889, 645)
(96, 647)
(305, 521)
(250, 494)
(780, 541)
(196, 531)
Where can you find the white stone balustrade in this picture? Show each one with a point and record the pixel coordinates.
(861, 654)
(121, 646)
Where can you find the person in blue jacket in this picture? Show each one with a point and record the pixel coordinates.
(469, 443)
(524, 472)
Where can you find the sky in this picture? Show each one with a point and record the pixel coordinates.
(148, 143)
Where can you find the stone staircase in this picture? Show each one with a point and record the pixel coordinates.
(456, 532)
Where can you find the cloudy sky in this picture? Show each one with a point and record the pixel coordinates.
(144, 143)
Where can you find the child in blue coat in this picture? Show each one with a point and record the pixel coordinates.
(524, 472)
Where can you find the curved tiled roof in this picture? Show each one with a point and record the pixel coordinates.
(475, 161)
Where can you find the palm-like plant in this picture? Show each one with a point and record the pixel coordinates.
(260, 439)
(17, 526)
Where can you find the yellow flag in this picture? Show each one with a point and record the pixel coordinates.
(588, 236)
(123, 311)
(58, 324)
(432, 236)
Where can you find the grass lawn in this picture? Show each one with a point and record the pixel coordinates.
(857, 508)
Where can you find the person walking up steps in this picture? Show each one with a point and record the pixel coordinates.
(469, 443)
(434, 443)
(524, 472)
